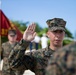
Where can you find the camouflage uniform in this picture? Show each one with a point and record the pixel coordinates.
(36, 61)
(63, 61)
(6, 49)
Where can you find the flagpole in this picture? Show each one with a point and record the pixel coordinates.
(0, 32)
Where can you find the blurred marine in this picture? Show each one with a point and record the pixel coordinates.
(63, 61)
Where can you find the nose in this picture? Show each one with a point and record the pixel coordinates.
(58, 35)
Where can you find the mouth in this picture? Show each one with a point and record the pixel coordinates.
(57, 40)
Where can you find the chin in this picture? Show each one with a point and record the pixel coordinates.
(57, 44)
(12, 41)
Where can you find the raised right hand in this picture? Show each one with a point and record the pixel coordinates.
(30, 33)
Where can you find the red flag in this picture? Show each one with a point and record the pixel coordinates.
(5, 25)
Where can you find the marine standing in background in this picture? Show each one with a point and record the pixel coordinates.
(6, 49)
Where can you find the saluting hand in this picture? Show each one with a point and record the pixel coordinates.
(30, 33)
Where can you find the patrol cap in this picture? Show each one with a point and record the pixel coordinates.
(12, 32)
(56, 24)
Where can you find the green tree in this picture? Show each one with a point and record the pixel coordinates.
(68, 33)
(38, 28)
(44, 30)
(21, 25)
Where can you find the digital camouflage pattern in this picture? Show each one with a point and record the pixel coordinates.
(63, 61)
(6, 50)
(36, 61)
(56, 24)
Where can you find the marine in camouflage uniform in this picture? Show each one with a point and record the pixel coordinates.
(63, 61)
(6, 49)
(36, 61)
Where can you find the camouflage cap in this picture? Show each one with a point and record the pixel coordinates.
(63, 61)
(56, 24)
(12, 32)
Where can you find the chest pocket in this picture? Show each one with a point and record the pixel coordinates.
(7, 49)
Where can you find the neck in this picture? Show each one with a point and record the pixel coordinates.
(55, 47)
(12, 42)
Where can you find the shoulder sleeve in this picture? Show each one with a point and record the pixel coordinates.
(1, 53)
(33, 61)
(19, 49)
(2, 50)
(17, 52)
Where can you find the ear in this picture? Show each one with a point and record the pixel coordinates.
(48, 34)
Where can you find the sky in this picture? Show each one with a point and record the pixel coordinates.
(40, 11)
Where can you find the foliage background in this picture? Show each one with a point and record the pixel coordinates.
(22, 27)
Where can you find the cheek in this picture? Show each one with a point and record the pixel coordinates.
(51, 36)
(62, 36)
(9, 37)
(15, 38)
